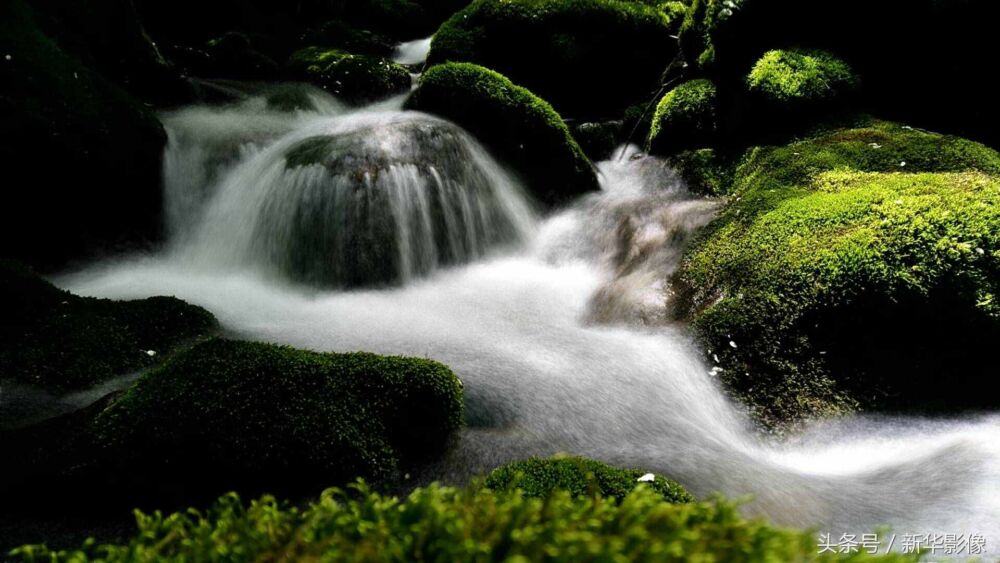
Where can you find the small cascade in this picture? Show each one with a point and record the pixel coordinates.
(360, 200)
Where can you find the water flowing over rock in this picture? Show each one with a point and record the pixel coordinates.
(366, 199)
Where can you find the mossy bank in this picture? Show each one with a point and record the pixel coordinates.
(858, 267)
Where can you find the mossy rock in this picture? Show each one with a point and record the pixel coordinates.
(686, 117)
(857, 268)
(83, 158)
(354, 78)
(522, 128)
(253, 416)
(589, 58)
(336, 34)
(539, 477)
(791, 89)
(796, 76)
(58, 341)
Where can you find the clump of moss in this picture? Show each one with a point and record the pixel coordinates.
(856, 268)
(354, 78)
(520, 126)
(62, 342)
(447, 524)
(579, 476)
(249, 416)
(589, 58)
(784, 76)
(686, 117)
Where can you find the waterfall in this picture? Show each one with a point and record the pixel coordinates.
(332, 199)
(557, 327)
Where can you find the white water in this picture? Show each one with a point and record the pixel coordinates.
(412, 52)
(561, 345)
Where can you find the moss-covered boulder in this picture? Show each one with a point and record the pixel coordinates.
(589, 58)
(790, 89)
(60, 342)
(82, 158)
(539, 477)
(859, 267)
(519, 126)
(794, 76)
(354, 78)
(705, 171)
(250, 416)
(686, 117)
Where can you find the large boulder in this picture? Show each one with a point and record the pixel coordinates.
(856, 268)
(82, 159)
(589, 58)
(61, 342)
(246, 416)
(519, 126)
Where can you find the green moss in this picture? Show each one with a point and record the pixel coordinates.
(802, 76)
(697, 33)
(858, 267)
(524, 130)
(580, 477)
(355, 78)
(589, 58)
(686, 117)
(705, 171)
(61, 342)
(446, 524)
(249, 415)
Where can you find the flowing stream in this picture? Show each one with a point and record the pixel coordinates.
(396, 232)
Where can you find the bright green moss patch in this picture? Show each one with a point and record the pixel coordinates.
(447, 524)
(580, 477)
(62, 342)
(520, 126)
(589, 58)
(784, 76)
(355, 78)
(859, 267)
(246, 415)
(686, 117)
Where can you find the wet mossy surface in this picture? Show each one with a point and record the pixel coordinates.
(511, 120)
(354, 78)
(540, 477)
(589, 58)
(61, 342)
(857, 268)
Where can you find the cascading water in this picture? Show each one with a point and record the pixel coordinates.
(560, 340)
(335, 199)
